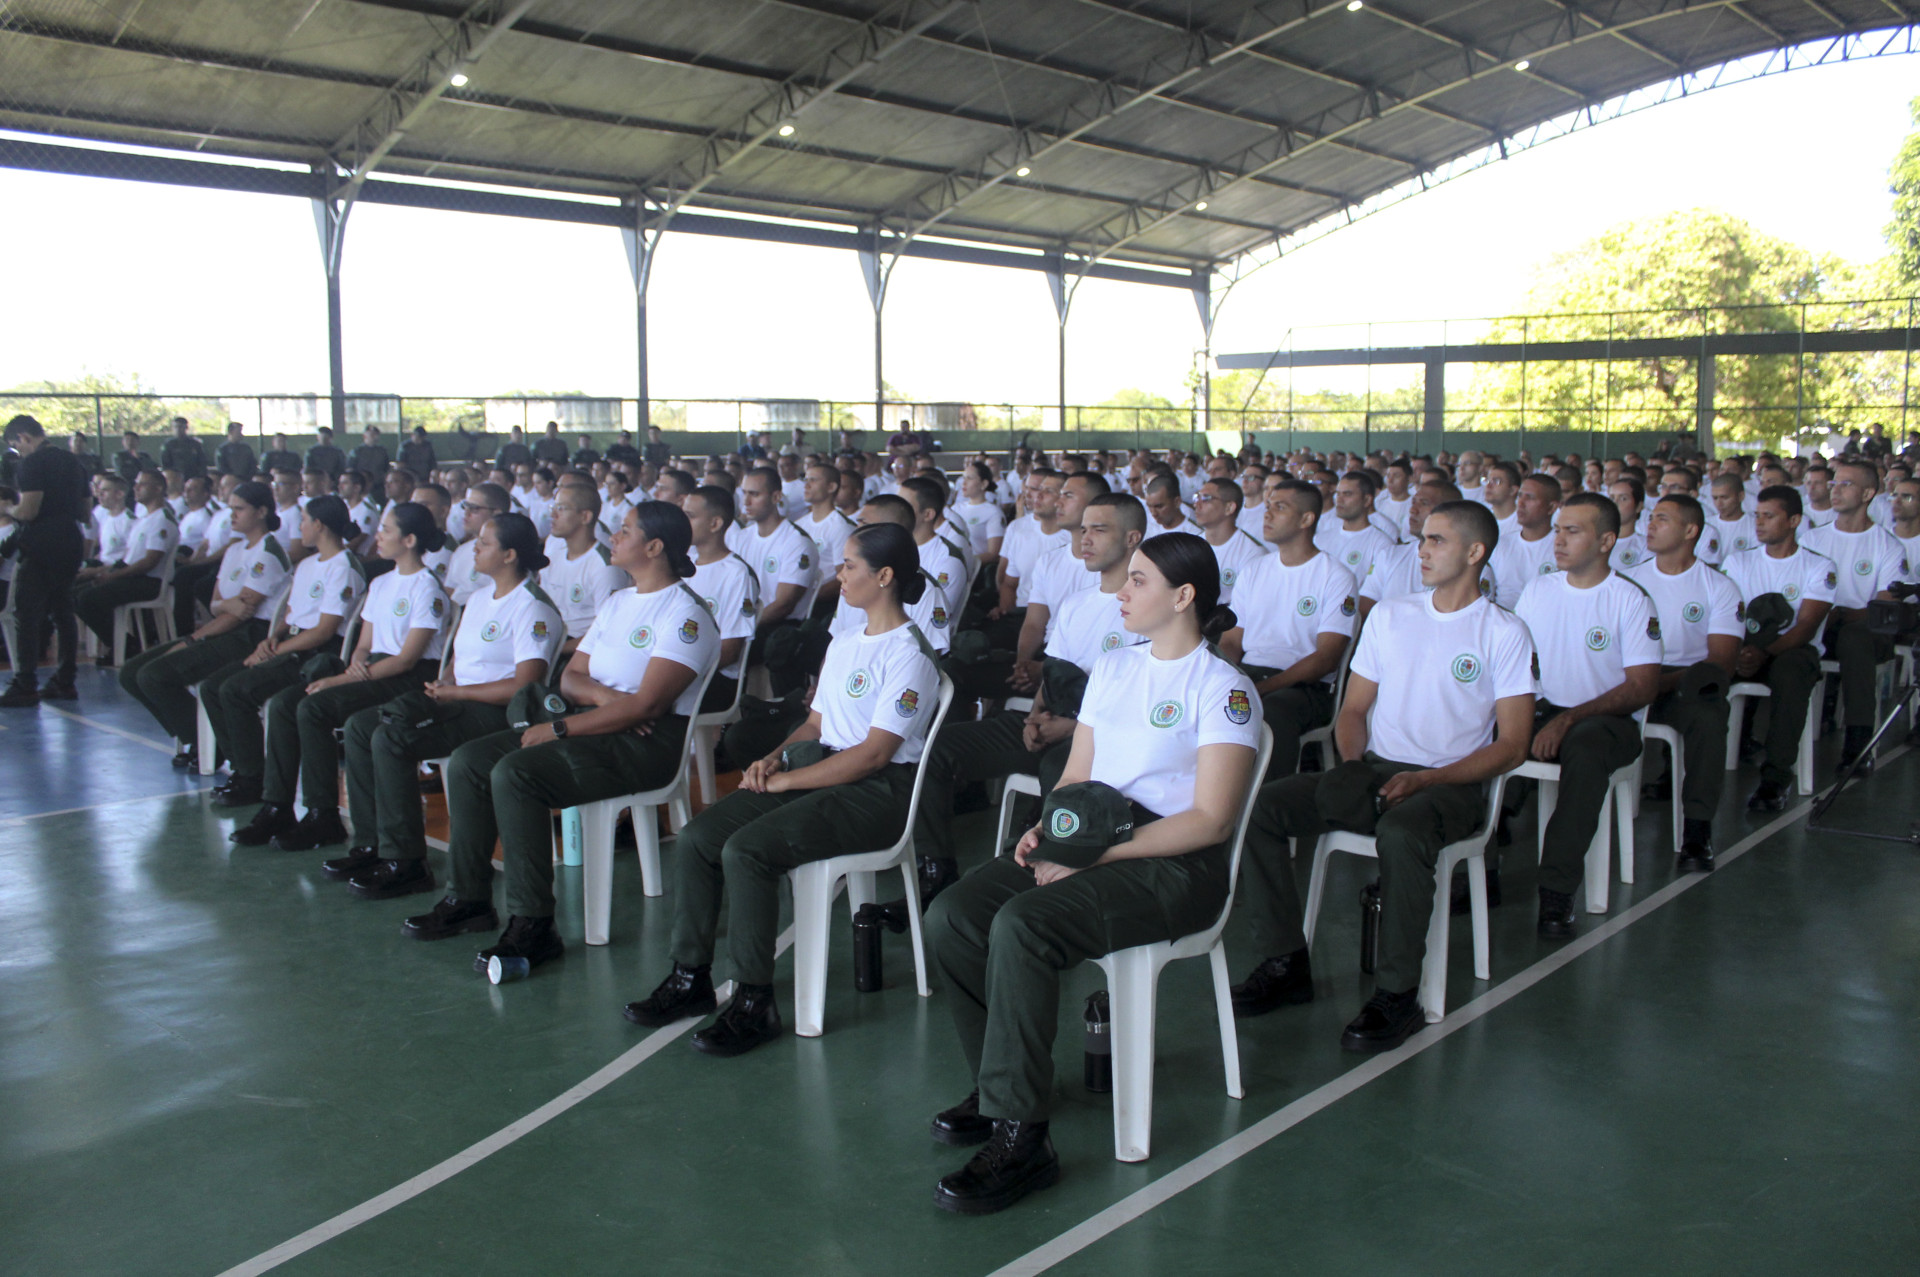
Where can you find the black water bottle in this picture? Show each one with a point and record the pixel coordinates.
(1099, 1070)
(1370, 926)
(866, 948)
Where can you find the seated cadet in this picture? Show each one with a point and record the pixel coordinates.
(1216, 512)
(841, 783)
(1296, 611)
(1869, 559)
(1730, 524)
(485, 502)
(1398, 570)
(326, 586)
(579, 576)
(636, 677)
(252, 570)
(1168, 740)
(1597, 642)
(1700, 633)
(1057, 573)
(509, 637)
(945, 559)
(1035, 742)
(1798, 585)
(135, 578)
(785, 561)
(1355, 537)
(828, 528)
(725, 584)
(1526, 551)
(302, 720)
(1630, 499)
(1435, 673)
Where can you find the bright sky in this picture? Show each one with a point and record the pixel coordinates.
(210, 292)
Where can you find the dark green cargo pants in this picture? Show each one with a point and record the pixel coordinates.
(1791, 677)
(966, 752)
(1408, 838)
(383, 773)
(159, 677)
(1858, 650)
(747, 842)
(1000, 943)
(1592, 750)
(498, 790)
(1697, 709)
(1292, 712)
(233, 696)
(300, 729)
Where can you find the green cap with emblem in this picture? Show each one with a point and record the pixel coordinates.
(1766, 617)
(1080, 821)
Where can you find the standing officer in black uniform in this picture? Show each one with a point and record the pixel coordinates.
(235, 456)
(53, 499)
(324, 456)
(183, 454)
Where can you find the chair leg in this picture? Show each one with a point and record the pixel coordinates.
(1433, 972)
(1677, 767)
(1005, 823)
(1477, 898)
(1134, 996)
(596, 856)
(1316, 886)
(911, 872)
(205, 744)
(1223, 1011)
(1543, 812)
(119, 636)
(1623, 812)
(861, 890)
(1599, 856)
(813, 893)
(646, 837)
(1803, 764)
(703, 745)
(1736, 728)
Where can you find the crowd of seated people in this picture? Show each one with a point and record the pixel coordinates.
(1119, 625)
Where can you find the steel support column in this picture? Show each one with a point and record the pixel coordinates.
(1203, 302)
(330, 220)
(876, 268)
(641, 240)
(1062, 302)
(1433, 417)
(1703, 406)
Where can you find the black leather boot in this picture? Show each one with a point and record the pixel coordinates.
(687, 991)
(962, 1124)
(1277, 982)
(750, 1020)
(1017, 1159)
(270, 820)
(531, 938)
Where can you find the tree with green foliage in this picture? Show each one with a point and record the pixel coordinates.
(107, 405)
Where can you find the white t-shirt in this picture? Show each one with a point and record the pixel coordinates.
(1397, 572)
(1151, 717)
(1588, 638)
(1880, 511)
(158, 530)
(983, 522)
(1394, 511)
(1518, 563)
(1284, 610)
(110, 534)
(1868, 561)
(1154, 529)
(1234, 557)
(732, 593)
(399, 603)
(829, 538)
(1692, 606)
(793, 497)
(1811, 518)
(786, 557)
(929, 612)
(1628, 552)
(634, 628)
(1024, 546)
(262, 567)
(288, 532)
(194, 525)
(1088, 626)
(1252, 520)
(1736, 536)
(1355, 551)
(366, 517)
(219, 534)
(941, 561)
(497, 634)
(462, 578)
(324, 587)
(879, 680)
(1799, 577)
(1910, 546)
(579, 587)
(438, 561)
(1440, 675)
(540, 510)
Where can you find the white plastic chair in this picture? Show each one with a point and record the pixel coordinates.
(1321, 738)
(1623, 791)
(1885, 675)
(1653, 734)
(1133, 987)
(1473, 850)
(1015, 782)
(596, 822)
(159, 607)
(1738, 696)
(205, 744)
(815, 885)
(704, 733)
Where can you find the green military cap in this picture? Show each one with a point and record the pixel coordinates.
(1347, 794)
(1065, 684)
(970, 647)
(1766, 616)
(536, 703)
(1702, 681)
(1080, 821)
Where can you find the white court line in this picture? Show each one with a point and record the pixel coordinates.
(10, 821)
(1224, 1154)
(398, 1195)
(135, 737)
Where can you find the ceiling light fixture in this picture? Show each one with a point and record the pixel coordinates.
(786, 130)
(458, 79)
(1522, 64)
(1022, 171)
(1354, 6)
(1201, 207)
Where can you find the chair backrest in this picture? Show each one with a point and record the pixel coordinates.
(350, 626)
(727, 715)
(701, 683)
(1346, 666)
(926, 752)
(1261, 757)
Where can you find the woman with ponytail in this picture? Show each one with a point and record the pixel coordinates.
(252, 570)
(841, 783)
(617, 726)
(326, 586)
(398, 650)
(1132, 847)
(509, 635)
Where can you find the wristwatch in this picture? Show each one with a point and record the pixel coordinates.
(559, 728)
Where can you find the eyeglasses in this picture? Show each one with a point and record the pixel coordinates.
(469, 507)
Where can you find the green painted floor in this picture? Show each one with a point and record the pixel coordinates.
(205, 1052)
